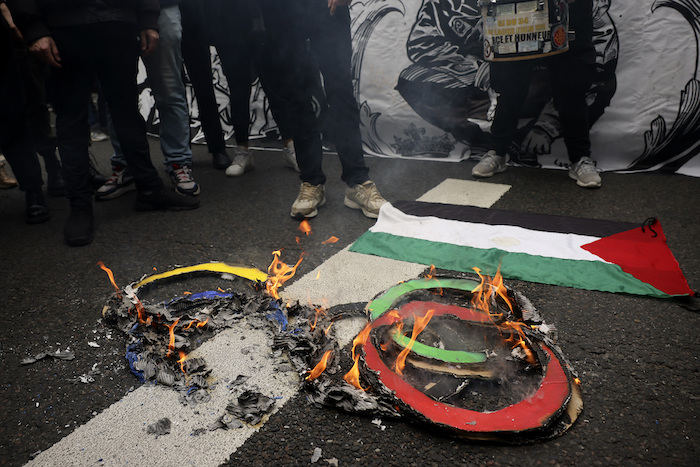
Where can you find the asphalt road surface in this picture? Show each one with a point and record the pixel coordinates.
(637, 357)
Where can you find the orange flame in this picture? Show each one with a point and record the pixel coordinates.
(320, 366)
(353, 376)
(305, 227)
(201, 324)
(418, 325)
(111, 276)
(279, 272)
(319, 312)
(171, 330)
(332, 239)
(183, 357)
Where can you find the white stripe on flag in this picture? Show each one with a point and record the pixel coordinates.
(483, 236)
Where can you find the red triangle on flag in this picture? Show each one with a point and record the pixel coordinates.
(644, 253)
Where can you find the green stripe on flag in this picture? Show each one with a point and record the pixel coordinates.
(589, 275)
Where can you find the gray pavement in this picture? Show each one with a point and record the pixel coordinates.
(637, 356)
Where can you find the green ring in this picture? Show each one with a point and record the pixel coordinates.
(381, 305)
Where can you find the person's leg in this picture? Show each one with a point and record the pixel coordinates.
(72, 83)
(291, 84)
(15, 139)
(196, 55)
(571, 78)
(511, 80)
(119, 51)
(331, 43)
(164, 68)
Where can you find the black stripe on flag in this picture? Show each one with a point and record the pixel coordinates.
(541, 222)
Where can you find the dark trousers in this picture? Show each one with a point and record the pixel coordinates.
(195, 53)
(330, 43)
(15, 140)
(286, 80)
(571, 75)
(570, 78)
(110, 52)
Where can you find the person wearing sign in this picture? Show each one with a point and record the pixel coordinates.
(571, 75)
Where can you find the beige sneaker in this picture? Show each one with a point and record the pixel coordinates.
(365, 197)
(242, 162)
(310, 198)
(6, 180)
(490, 164)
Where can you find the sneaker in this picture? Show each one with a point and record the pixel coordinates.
(585, 173)
(79, 229)
(182, 179)
(121, 181)
(97, 135)
(164, 200)
(242, 162)
(490, 164)
(310, 198)
(365, 197)
(37, 209)
(220, 159)
(6, 180)
(290, 157)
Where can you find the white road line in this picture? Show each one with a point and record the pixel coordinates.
(118, 435)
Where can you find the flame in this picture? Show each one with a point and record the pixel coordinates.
(183, 357)
(332, 239)
(318, 275)
(171, 330)
(328, 329)
(430, 273)
(186, 293)
(111, 277)
(419, 324)
(320, 366)
(305, 227)
(319, 312)
(577, 381)
(279, 272)
(353, 376)
(201, 324)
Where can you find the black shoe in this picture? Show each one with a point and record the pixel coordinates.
(164, 200)
(221, 160)
(79, 229)
(37, 209)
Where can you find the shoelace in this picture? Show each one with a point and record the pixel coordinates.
(307, 193)
(369, 193)
(183, 174)
(112, 180)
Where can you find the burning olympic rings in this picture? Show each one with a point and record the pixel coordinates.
(547, 412)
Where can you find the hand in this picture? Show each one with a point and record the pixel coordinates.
(536, 142)
(10, 22)
(333, 4)
(45, 48)
(149, 41)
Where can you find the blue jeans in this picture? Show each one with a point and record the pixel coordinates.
(164, 68)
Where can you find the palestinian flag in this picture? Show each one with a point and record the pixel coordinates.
(582, 253)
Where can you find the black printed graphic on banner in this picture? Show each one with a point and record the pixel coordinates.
(671, 149)
(447, 83)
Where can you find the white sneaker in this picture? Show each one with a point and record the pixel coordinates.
(242, 161)
(585, 173)
(290, 157)
(490, 164)
(310, 198)
(365, 197)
